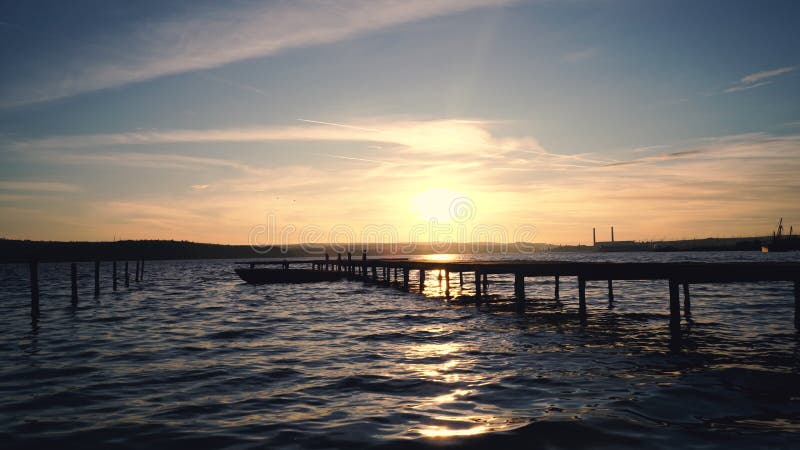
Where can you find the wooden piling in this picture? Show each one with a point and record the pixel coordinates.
(141, 271)
(797, 305)
(338, 262)
(127, 275)
(136, 276)
(478, 289)
(687, 302)
(581, 297)
(461, 279)
(485, 284)
(34, 272)
(114, 275)
(73, 275)
(375, 274)
(519, 292)
(96, 278)
(421, 280)
(446, 283)
(558, 283)
(349, 264)
(327, 261)
(674, 310)
(364, 264)
(406, 277)
(610, 294)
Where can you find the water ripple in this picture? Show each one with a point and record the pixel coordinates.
(193, 357)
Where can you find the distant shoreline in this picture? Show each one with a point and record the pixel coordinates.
(16, 251)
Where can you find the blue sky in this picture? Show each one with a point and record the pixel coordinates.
(190, 120)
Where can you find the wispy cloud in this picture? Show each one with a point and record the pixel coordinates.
(744, 146)
(138, 159)
(764, 74)
(452, 136)
(758, 79)
(211, 39)
(710, 184)
(648, 148)
(580, 55)
(655, 158)
(38, 186)
(744, 87)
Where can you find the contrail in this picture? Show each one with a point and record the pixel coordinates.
(339, 125)
(352, 158)
(228, 82)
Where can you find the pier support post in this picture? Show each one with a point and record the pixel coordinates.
(73, 275)
(797, 305)
(338, 262)
(446, 283)
(421, 280)
(34, 269)
(405, 278)
(687, 302)
(141, 271)
(485, 284)
(674, 312)
(96, 278)
(136, 277)
(327, 262)
(610, 294)
(478, 289)
(519, 292)
(127, 275)
(558, 285)
(375, 273)
(461, 279)
(582, 298)
(364, 264)
(386, 280)
(114, 275)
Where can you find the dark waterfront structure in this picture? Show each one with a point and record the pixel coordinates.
(385, 272)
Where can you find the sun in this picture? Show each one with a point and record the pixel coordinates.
(435, 204)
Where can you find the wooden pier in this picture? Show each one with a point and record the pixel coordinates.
(379, 271)
(34, 281)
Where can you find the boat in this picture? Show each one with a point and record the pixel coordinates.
(781, 243)
(271, 276)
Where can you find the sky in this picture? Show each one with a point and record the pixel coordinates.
(416, 120)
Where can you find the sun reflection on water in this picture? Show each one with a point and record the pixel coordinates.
(453, 414)
(436, 431)
(443, 257)
(469, 426)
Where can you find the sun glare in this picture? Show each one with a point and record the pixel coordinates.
(435, 204)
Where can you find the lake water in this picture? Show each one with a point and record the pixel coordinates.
(193, 357)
